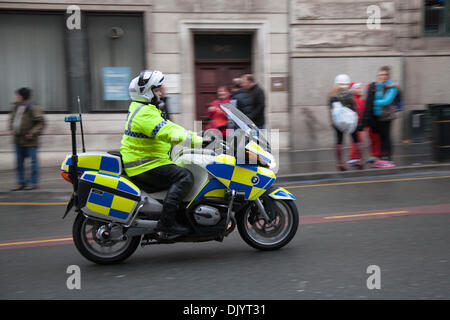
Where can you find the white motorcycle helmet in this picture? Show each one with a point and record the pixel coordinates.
(141, 87)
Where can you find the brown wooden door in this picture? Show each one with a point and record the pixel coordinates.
(211, 75)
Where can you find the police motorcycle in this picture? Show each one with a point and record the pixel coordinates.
(232, 188)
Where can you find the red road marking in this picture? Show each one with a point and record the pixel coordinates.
(304, 220)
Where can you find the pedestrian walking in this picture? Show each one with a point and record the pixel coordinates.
(26, 124)
(219, 119)
(258, 102)
(341, 93)
(239, 97)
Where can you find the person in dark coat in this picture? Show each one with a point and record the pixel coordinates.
(258, 100)
(26, 123)
(239, 97)
(373, 118)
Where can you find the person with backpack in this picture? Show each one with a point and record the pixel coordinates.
(26, 123)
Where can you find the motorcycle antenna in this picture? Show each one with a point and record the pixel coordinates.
(81, 124)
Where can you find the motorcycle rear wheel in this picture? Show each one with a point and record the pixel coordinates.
(98, 250)
(269, 236)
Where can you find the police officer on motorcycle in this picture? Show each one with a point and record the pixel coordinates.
(146, 146)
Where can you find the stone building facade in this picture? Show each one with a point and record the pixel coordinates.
(331, 37)
(297, 48)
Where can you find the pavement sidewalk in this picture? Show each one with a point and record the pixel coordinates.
(295, 167)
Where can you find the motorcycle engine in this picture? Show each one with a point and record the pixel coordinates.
(207, 215)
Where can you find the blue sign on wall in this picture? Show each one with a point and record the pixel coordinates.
(115, 83)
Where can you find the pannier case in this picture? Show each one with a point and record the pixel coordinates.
(95, 161)
(108, 197)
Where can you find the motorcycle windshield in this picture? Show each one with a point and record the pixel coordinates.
(241, 121)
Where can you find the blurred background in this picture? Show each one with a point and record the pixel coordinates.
(295, 48)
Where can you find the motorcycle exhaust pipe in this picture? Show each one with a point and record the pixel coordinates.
(140, 227)
(147, 224)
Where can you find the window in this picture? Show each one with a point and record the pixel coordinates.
(37, 51)
(33, 55)
(116, 55)
(437, 18)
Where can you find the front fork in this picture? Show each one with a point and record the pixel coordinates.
(262, 211)
(265, 212)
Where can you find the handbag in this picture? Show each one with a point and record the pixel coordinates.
(344, 118)
(388, 113)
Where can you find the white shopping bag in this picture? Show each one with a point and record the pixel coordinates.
(345, 119)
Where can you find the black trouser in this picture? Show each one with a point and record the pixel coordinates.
(384, 130)
(340, 136)
(177, 179)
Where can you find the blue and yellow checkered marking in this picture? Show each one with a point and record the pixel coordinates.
(112, 181)
(100, 163)
(251, 179)
(110, 205)
(282, 194)
(255, 148)
(209, 187)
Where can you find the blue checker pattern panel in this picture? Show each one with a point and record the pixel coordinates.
(118, 214)
(107, 164)
(241, 187)
(110, 164)
(126, 188)
(221, 170)
(105, 199)
(282, 193)
(212, 185)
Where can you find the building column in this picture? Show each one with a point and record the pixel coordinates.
(77, 61)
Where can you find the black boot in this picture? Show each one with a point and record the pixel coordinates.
(168, 224)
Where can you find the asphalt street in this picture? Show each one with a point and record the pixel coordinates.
(400, 225)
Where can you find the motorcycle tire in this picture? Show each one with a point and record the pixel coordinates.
(250, 227)
(83, 244)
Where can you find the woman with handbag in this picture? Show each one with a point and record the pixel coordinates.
(385, 111)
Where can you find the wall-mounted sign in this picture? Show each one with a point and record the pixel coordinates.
(223, 47)
(279, 84)
(115, 83)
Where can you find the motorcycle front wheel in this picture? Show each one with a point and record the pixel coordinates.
(272, 235)
(88, 242)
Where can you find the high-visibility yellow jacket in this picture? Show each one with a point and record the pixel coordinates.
(148, 137)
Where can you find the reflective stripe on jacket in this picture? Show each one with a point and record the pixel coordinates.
(147, 140)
